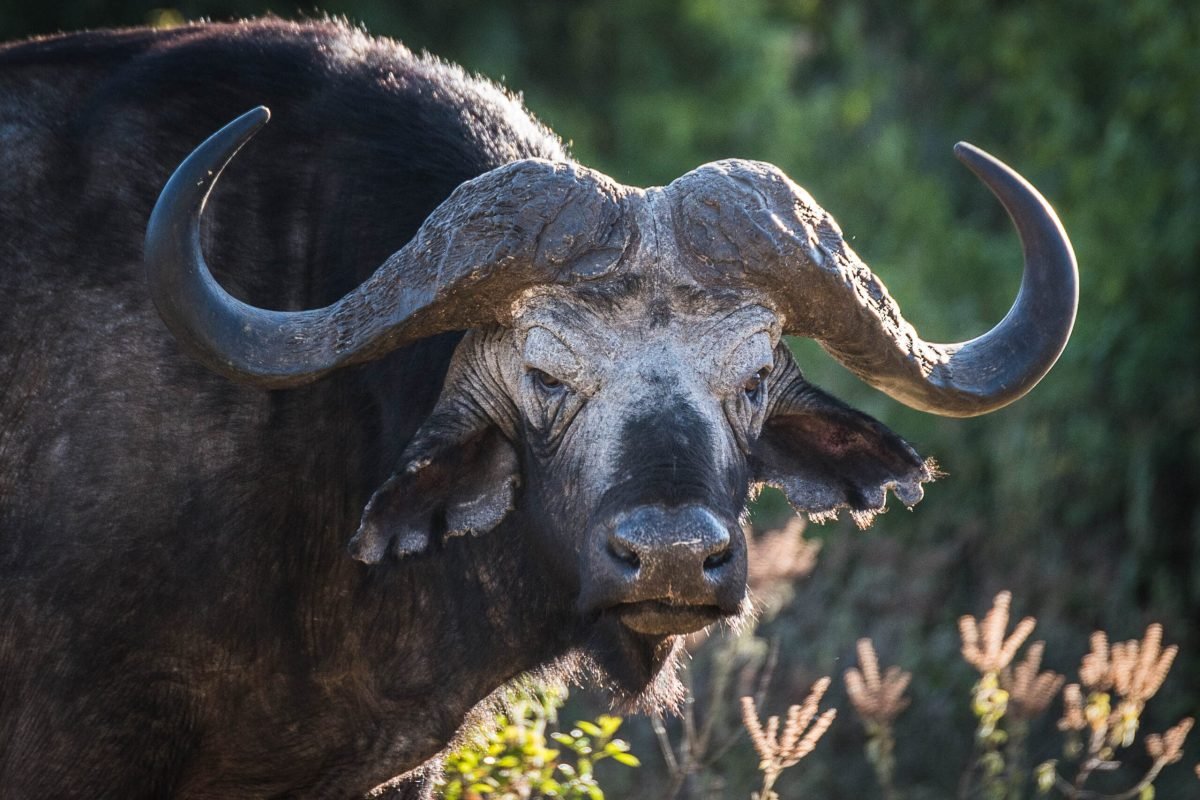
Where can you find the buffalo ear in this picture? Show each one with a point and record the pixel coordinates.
(447, 486)
(826, 456)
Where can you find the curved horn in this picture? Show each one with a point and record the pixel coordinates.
(793, 250)
(525, 223)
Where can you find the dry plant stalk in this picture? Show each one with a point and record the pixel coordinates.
(779, 750)
(1168, 747)
(736, 663)
(997, 651)
(1129, 673)
(1118, 680)
(1074, 718)
(1030, 691)
(1006, 697)
(1133, 670)
(878, 699)
(776, 558)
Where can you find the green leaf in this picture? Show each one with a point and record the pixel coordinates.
(591, 729)
(608, 724)
(1045, 774)
(564, 739)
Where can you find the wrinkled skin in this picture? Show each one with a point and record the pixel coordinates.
(648, 415)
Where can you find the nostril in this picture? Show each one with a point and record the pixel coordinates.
(621, 551)
(652, 543)
(716, 560)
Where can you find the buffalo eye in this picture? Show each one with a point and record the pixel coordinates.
(545, 381)
(753, 386)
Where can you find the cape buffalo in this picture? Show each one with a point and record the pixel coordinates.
(535, 425)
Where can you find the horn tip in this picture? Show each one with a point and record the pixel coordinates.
(256, 117)
(968, 153)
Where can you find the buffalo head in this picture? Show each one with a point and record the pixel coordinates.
(623, 385)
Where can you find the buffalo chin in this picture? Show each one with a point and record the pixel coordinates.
(637, 668)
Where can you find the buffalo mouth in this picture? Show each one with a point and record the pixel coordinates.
(657, 618)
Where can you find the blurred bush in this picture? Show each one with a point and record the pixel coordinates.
(1085, 495)
(513, 758)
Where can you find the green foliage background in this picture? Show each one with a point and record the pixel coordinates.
(1084, 498)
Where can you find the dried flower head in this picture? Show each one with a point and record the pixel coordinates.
(1134, 669)
(800, 734)
(1139, 668)
(1030, 692)
(1073, 718)
(984, 645)
(1168, 748)
(877, 699)
(780, 556)
(1095, 672)
(1120, 679)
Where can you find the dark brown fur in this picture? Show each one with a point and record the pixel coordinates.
(180, 616)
